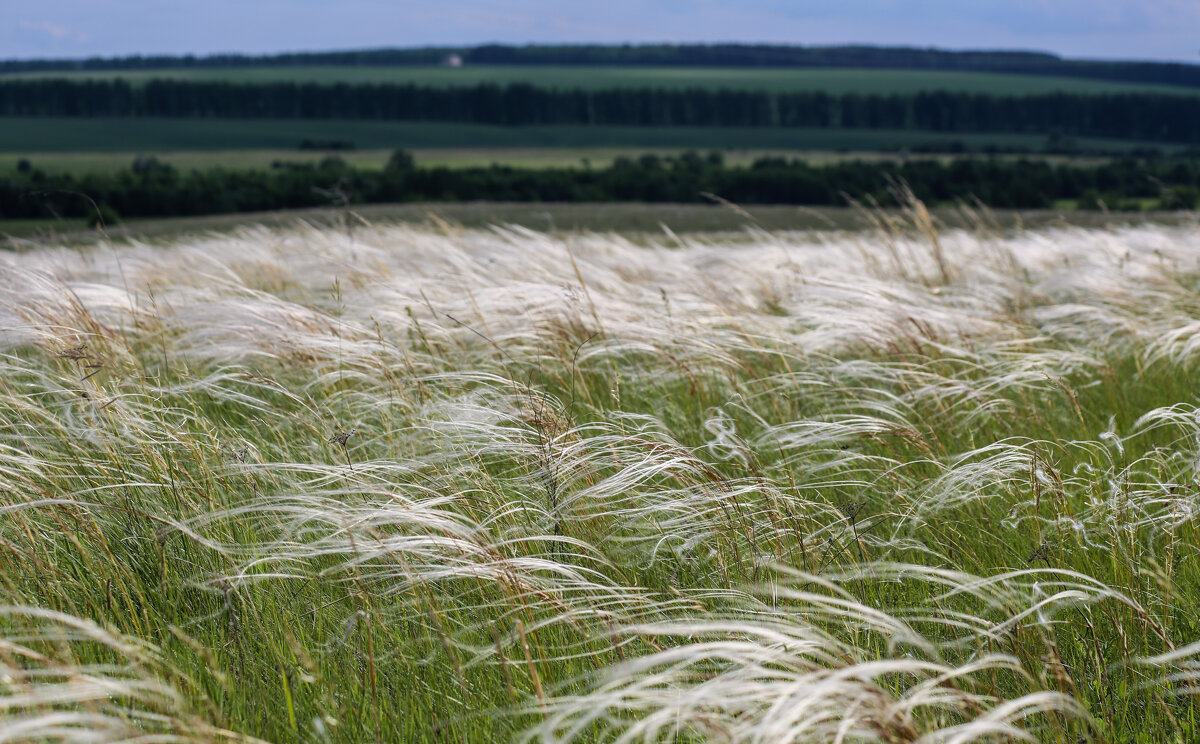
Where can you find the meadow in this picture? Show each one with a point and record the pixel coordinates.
(382, 482)
(463, 157)
(62, 137)
(775, 80)
(448, 157)
(635, 221)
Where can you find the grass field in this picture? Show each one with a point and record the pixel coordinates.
(449, 157)
(631, 220)
(464, 157)
(459, 157)
(19, 136)
(775, 80)
(387, 483)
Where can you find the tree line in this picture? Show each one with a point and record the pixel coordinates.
(1153, 117)
(151, 188)
(664, 55)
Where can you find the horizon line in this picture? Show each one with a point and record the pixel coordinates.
(613, 44)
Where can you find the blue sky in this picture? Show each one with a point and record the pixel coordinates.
(1115, 29)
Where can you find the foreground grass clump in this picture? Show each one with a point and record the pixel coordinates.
(398, 485)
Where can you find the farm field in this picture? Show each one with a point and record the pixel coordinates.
(19, 136)
(464, 157)
(910, 481)
(834, 81)
(634, 221)
(449, 157)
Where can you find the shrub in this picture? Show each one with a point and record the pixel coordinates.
(1180, 198)
(101, 216)
(401, 161)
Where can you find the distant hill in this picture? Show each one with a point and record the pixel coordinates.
(664, 55)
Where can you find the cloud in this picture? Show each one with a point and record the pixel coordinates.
(54, 31)
(1150, 29)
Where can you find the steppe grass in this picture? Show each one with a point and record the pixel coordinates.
(386, 483)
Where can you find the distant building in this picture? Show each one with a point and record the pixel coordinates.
(453, 60)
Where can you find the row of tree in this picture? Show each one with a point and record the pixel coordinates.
(151, 188)
(1163, 118)
(667, 55)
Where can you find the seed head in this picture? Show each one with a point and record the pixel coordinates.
(851, 509)
(75, 353)
(1041, 554)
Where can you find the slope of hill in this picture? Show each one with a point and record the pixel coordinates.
(666, 55)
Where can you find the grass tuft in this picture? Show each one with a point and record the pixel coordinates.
(901, 484)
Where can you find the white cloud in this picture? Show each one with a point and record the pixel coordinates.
(54, 31)
(1148, 29)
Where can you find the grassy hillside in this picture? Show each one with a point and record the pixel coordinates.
(376, 483)
(65, 135)
(877, 81)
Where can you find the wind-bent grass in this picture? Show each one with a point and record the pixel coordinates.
(53, 693)
(385, 483)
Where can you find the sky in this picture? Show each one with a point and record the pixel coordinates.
(1098, 29)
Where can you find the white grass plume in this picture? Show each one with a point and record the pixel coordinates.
(64, 679)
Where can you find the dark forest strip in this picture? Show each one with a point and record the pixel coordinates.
(151, 188)
(1151, 117)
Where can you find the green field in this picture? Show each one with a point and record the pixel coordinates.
(354, 482)
(775, 80)
(145, 135)
(463, 157)
(448, 157)
(636, 221)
